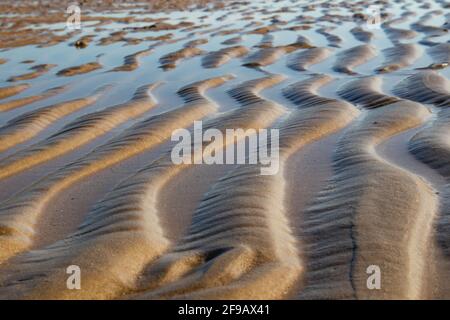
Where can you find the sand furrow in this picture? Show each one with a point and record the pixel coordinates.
(302, 60)
(400, 56)
(240, 240)
(371, 214)
(124, 227)
(17, 103)
(366, 92)
(353, 57)
(29, 124)
(218, 58)
(19, 213)
(78, 133)
(431, 145)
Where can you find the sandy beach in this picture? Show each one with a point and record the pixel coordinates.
(355, 96)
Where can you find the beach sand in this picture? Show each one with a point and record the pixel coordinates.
(87, 178)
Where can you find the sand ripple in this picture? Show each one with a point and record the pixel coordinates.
(18, 214)
(346, 229)
(353, 57)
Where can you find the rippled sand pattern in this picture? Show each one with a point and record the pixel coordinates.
(86, 171)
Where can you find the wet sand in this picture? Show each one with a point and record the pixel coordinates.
(87, 178)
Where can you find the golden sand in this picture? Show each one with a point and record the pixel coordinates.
(87, 176)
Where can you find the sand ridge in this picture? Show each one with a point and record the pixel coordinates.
(398, 57)
(6, 92)
(353, 57)
(302, 60)
(304, 93)
(440, 52)
(217, 58)
(37, 71)
(28, 125)
(131, 62)
(237, 229)
(112, 216)
(337, 263)
(19, 213)
(366, 92)
(431, 145)
(20, 102)
(79, 132)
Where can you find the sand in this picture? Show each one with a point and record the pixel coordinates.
(87, 177)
